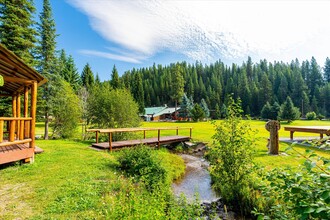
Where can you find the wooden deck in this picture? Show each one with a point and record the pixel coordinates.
(322, 130)
(15, 152)
(147, 141)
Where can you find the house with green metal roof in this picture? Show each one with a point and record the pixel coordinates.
(161, 113)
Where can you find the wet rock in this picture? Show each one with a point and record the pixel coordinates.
(215, 210)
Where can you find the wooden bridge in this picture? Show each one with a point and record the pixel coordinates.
(156, 141)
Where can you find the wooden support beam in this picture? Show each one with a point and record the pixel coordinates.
(16, 79)
(18, 114)
(1, 131)
(190, 132)
(177, 131)
(144, 134)
(26, 112)
(21, 132)
(33, 112)
(97, 136)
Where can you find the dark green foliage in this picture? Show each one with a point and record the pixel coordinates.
(288, 111)
(114, 82)
(231, 160)
(197, 113)
(254, 83)
(70, 73)
(217, 113)
(108, 108)
(87, 77)
(327, 70)
(223, 111)
(177, 85)
(311, 115)
(47, 61)
(17, 31)
(140, 163)
(66, 110)
(266, 111)
(138, 92)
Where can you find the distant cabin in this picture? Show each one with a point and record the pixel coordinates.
(19, 93)
(162, 113)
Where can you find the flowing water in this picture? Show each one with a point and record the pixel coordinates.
(195, 180)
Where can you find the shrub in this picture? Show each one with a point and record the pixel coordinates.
(288, 111)
(197, 113)
(320, 117)
(300, 194)
(231, 160)
(140, 163)
(311, 115)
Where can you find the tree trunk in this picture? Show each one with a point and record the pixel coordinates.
(273, 127)
(46, 125)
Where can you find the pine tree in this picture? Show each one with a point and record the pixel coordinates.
(177, 87)
(288, 111)
(217, 114)
(87, 77)
(17, 31)
(266, 111)
(205, 108)
(326, 70)
(48, 64)
(138, 91)
(185, 107)
(70, 74)
(115, 83)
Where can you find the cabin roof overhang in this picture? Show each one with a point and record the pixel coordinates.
(16, 73)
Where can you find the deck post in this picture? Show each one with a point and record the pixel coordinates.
(33, 112)
(158, 138)
(18, 114)
(13, 122)
(1, 131)
(26, 111)
(110, 141)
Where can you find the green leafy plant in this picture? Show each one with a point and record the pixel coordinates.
(311, 115)
(231, 159)
(300, 194)
(140, 163)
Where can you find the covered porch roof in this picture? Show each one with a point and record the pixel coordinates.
(16, 73)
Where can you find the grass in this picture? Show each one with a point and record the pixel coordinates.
(71, 181)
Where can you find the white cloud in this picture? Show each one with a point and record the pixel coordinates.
(209, 30)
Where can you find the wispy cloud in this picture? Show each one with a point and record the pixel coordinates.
(209, 30)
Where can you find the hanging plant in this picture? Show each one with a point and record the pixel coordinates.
(2, 81)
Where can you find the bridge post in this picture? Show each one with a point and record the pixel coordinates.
(110, 141)
(158, 138)
(177, 131)
(190, 132)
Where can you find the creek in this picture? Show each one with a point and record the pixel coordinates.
(196, 179)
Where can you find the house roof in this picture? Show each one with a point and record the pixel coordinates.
(16, 73)
(157, 111)
(154, 110)
(167, 110)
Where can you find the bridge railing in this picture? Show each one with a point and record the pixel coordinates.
(110, 131)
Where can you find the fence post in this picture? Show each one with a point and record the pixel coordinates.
(110, 141)
(158, 138)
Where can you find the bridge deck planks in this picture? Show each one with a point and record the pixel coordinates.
(147, 141)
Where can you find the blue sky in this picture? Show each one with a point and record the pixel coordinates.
(139, 33)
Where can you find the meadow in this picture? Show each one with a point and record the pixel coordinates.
(70, 180)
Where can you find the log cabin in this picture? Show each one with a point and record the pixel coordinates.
(17, 128)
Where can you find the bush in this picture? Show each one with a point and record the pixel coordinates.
(140, 163)
(300, 194)
(320, 117)
(311, 115)
(231, 160)
(197, 113)
(288, 111)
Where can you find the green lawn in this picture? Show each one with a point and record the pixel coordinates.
(71, 181)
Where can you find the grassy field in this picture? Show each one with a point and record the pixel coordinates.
(71, 181)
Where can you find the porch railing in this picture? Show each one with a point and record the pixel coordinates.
(15, 130)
